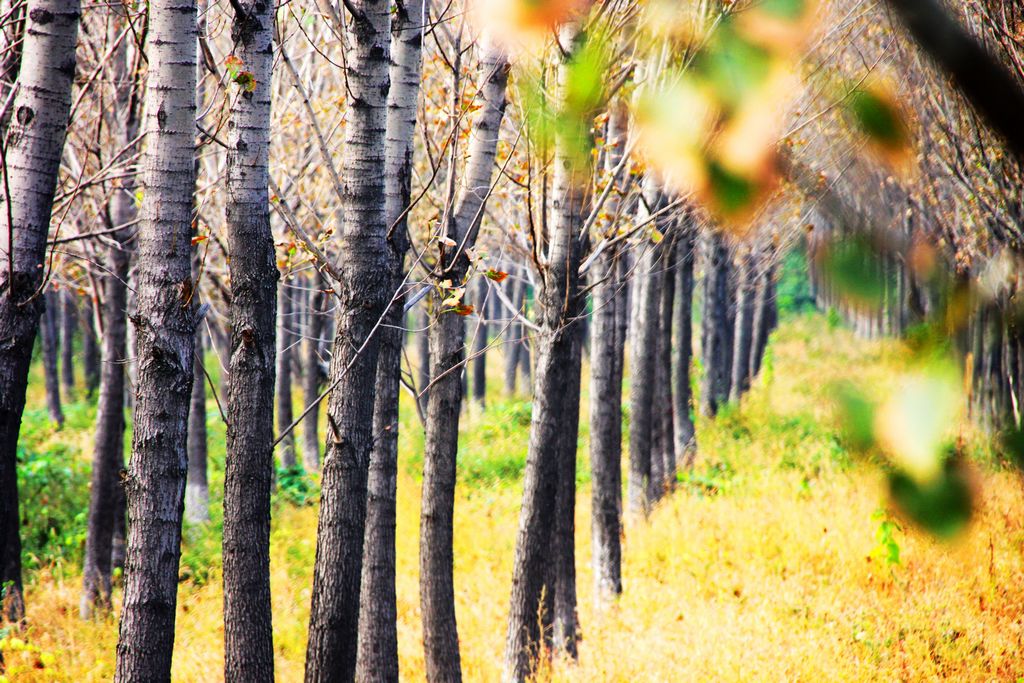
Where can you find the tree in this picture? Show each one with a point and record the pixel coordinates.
(645, 471)
(606, 387)
(286, 349)
(249, 460)
(313, 380)
(31, 152)
(49, 332)
(444, 399)
(165, 323)
(334, 614)
(377, 656)
(554, 421)
(105, 495)
(685, 435)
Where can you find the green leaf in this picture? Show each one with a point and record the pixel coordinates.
(857, 415)
(942, 506)
(733, 66)
(787, 9)
(731, 193)
(853, 265)
(878, 117)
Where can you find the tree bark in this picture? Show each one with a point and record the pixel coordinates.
(90, 352)
(165, 325)
(685, 434)
(444, 402)
(643, 469)
(515, 343)
(608, 302)
(377, 655)
(334, 613)
(480, 339)
(715, 319)
(313, 380)
(249, 458)
(106, 495)
(663, 405)
(68, 328)
(745, 294)
(49, 332)
(33, 145)
(554, 422)
(197, 489)
(286, 345)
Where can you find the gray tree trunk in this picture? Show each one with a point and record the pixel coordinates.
(643, 469)
(286, 345)
(249, 461)
(68, 329)
(444, 402)
(106, 495)
(663, 405)
(90, 352)
(197, 489)
(514, 344)
(377, 655)
(312, 381)
(334, 613)
(608, 302)
(685, 435)
(714, 389)
(542, 517)
(424, 320)
(49, 333)
(165, 324)
(480, 339)
(34, 141)
(745, 293)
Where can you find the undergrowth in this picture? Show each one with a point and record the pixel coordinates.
(776, 558)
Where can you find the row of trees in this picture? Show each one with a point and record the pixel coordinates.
(462, 203)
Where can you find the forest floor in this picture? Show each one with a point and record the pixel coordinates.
(772, 561)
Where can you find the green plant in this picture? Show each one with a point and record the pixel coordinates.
(886, 548)
(53, 487)
(295, 486)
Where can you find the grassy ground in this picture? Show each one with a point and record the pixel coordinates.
(770, 562)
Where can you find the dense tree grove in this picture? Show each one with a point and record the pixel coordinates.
(273, 224)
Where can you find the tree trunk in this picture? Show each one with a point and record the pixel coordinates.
(90, 352)
(714, 321)
(745, 293)
(35, 139)
(106, 495)
(663, 406)
(685, 435)
(608, 302)
(554, 422)
(377, 655)
(108, 458)
(334, 613)
(312, 381)
(49, 332)
(480, 334)
(423, 352)
(514, 343)
(562, 581)
(69, 326)
(643, 471)
(197, 489)
(286, 345)
(165, 325)
(249, 458)
(444, 403)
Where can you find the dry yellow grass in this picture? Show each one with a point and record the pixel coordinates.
(773, 578)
